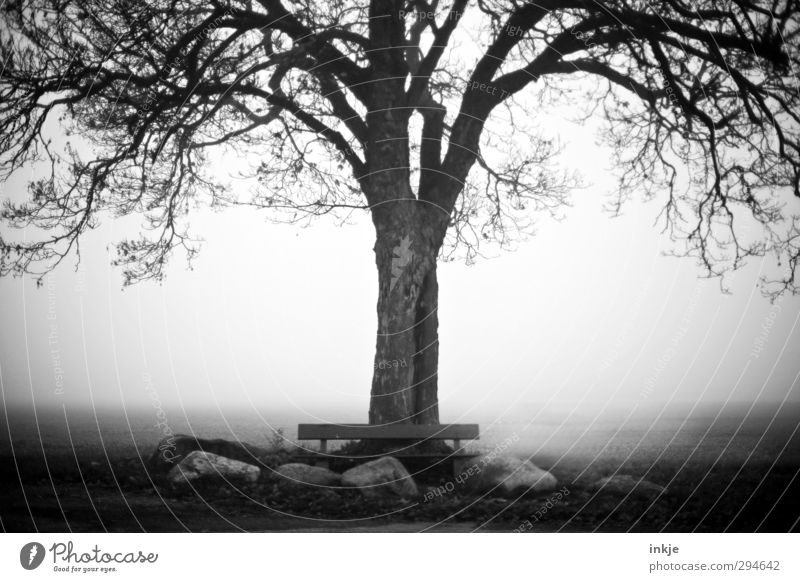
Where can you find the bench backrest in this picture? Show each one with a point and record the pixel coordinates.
(388, 432)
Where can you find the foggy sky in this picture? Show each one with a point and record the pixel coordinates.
(587, 314)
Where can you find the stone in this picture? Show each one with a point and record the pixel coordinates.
(300, 474)
(381, 478)
(628, 485)
(508, 476)
(200, 466)
(171, 450)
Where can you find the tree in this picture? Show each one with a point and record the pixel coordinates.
(381, 106)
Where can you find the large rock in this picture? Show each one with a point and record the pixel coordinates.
(171, 450)
(627, 485)
(382, 477)
(506, 476)
(199, 466)
(300, 474)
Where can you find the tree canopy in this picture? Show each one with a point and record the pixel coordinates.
(700, 101)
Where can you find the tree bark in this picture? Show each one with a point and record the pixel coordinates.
(409, 234)
(405, 378)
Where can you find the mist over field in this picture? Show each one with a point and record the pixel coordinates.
(700, 435)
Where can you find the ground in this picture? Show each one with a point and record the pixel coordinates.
(96, 493)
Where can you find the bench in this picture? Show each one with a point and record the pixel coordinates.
(415, 433)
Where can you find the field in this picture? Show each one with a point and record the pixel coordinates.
(734, 470)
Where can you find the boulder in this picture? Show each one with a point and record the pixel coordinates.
(300, 474)
(171, 450)
(382, 477)
(627, 485)
(199, 466)
(508, 476)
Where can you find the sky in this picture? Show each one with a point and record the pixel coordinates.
(589, 314)
(586, 315)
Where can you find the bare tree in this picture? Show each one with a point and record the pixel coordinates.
(383, 105)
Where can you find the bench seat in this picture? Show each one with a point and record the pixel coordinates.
(418, 433)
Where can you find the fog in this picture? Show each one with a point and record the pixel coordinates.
(588, 316)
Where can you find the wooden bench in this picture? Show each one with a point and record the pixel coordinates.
(416, 433)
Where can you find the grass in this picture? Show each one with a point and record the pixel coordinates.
(89, 493)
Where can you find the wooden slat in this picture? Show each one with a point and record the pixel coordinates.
(398, 454)
(392, 431)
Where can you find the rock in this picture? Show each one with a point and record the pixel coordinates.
(382, 477)
(199, 466)
(508, 476)
(300, 474)
(625, 485)
(171, 450)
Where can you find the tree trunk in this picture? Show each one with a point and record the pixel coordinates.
(404, 383)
